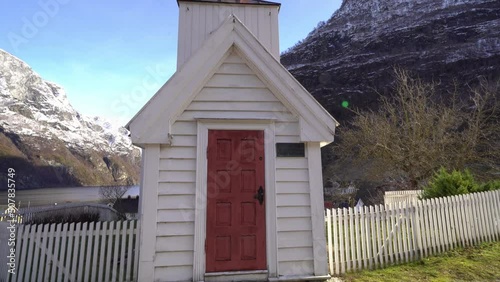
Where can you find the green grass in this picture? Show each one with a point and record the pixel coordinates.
(480, 263)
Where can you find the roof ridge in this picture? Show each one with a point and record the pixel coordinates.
(244, 2)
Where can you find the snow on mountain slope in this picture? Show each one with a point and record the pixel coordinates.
(37, 119)
(353, 53)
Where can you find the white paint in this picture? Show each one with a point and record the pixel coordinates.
(229, 78)
(198, 21)
(147, 211)
(255, 275)
(52, 253)
(154, 123)
(407, 231)
(317, 209)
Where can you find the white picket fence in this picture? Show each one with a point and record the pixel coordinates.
(401, 196)
(96, 251)
(377, 236)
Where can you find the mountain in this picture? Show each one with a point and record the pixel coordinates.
(50, 144)
(351, 56)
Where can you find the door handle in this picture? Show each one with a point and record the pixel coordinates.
(260, 195)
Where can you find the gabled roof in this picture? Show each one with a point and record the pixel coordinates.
(248, 2)
(152, 125)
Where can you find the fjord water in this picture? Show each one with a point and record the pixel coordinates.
(51, 196)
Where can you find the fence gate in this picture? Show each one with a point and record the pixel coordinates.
(94, 251)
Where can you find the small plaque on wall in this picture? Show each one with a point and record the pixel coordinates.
(290, 150)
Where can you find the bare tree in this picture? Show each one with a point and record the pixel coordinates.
(414, 132)
(112, 194)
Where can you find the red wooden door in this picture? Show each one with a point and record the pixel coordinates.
(236, 226)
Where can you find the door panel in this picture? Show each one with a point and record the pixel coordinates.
(236, 234)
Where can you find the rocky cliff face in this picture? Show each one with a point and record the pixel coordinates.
(353, 54)
(49, 143)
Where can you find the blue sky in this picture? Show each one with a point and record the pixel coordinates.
(111, 56)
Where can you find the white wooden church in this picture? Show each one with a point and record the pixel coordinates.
(231, 179)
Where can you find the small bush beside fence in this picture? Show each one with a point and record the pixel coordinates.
(377, 236)
(90, 251)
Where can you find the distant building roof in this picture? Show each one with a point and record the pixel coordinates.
(250, 2)
(127, 206)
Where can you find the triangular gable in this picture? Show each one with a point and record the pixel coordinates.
(152, 125)
(236, 92)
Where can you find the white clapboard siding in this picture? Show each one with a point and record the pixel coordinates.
(174, 243)
(293, 208)
(176, 203)
(300, 175)
(186, 188)
(295, 254)
(178, 164)
(293, 200)
(176, 273)
(184, 215)
(284, 128)
(197, 21)
(180, 258)
(299, 239)
(175, 228)
(183, 141)
(184, 128)
(177, 152)
(292, 268)
(403, 231)
(294, 211)
(235, 92)
(95, 251)
(292, 187)
(177, 176)
(235, 81)
(294, 224)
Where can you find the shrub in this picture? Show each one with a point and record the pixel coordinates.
(489, 186)
(446, 183)
(63, 217)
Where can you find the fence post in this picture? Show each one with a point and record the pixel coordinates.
(4, 249)
(131, 238)
(418, 226)
(407, 234)
(453, 227)
(372, 250)
(96, 251)
(357, 236)
(365, 232)
(494, 211)
(483, 234)
(346, 240)
(443, 235)
(88, 262)
(329, 238)
(382, 248)
(488, 219)
(104, 254)
(122, 245)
